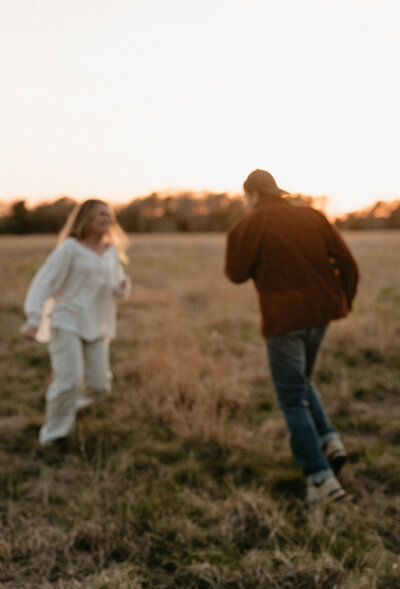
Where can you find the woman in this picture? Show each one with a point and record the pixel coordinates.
(79, 282)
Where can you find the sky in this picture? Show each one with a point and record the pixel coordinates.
(120, 98)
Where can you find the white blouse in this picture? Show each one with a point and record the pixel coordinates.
(76, 287)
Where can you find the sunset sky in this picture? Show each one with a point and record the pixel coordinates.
(119, 98)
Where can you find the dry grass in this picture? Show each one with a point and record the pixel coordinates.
(182, 477)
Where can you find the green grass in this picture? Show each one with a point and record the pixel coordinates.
(182, 477)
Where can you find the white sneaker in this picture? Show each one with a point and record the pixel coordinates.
(335, 455)
(329, 490)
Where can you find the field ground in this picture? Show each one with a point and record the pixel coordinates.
(183, 477)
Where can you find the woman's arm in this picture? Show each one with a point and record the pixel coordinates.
(122, 285)
(47, 282)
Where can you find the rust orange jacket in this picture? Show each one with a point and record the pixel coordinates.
(302, 269)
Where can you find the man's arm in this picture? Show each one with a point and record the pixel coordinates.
(241, 252)
(344, 261)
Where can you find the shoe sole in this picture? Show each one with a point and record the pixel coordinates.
(333, 497)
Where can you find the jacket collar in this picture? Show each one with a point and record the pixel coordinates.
(271, 200)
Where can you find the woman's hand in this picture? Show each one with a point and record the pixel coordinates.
(29, 331)
(123, 288)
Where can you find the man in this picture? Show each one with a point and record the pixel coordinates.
(305, 276)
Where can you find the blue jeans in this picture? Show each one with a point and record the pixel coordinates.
(292, 356)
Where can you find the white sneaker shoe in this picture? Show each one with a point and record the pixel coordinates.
(329, 490)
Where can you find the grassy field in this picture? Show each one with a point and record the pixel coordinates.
(183, 477)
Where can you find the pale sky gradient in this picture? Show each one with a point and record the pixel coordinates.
(117, 98)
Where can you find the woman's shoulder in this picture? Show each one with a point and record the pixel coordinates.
(114, 254)
(67, 246)
(62, 254)
(69, 242)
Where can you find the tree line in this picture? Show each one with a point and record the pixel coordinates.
(153, 213)
(382, 215)
(182, 212)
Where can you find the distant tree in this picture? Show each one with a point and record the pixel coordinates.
(394, 219)
(128, 218)
(381, 215)
(50, 218)
(18, 221)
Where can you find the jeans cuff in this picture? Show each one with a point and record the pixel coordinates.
(328, 438)
(318, 477)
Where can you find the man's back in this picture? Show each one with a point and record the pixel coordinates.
(303, 271)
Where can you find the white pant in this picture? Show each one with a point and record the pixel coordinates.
(75, 363)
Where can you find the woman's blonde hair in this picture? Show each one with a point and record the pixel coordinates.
(78, 221)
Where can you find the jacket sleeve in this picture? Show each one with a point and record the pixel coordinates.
(344, 262)
(241, 253)
(47, 282)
